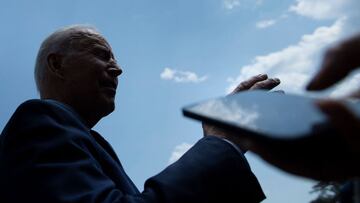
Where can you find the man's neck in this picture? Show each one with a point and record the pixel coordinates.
(88, 117)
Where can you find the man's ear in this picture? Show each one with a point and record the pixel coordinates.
(54, 63)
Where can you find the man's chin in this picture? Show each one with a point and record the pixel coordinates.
(109, 107)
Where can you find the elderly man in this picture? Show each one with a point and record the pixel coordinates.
(48, 152)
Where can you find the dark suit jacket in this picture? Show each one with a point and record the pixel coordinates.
(47, 154)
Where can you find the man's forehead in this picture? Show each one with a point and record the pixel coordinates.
(89, 41)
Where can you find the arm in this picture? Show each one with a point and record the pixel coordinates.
(222, 175)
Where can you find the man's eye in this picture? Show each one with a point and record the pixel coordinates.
(105, 55)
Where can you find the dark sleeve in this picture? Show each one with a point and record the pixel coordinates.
(44, 160)
(211, 171)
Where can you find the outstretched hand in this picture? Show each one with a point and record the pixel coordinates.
(260, 81)
(257, 82)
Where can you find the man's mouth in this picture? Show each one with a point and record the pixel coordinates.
(109, 85)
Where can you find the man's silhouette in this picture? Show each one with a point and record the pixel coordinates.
(49, 152)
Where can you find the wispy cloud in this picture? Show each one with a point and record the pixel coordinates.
(265, 23)
(322, 9)
(179, 151)
(230, 4)
(181, 76)
(295, 63)
(245, 4)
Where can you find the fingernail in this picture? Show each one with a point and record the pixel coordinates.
(277, 80)
(262, 75)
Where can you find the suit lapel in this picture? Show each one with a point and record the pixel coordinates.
(118, 176)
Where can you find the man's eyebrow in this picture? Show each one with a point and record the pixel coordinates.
(98, 46)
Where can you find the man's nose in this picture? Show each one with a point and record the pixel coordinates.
(114, 70)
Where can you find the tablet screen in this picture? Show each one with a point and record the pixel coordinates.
(270, 114)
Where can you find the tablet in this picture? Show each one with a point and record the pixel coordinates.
(264, 114)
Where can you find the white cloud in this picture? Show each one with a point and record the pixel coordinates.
(265, 23)
(296, 63)
(181, 76)
(244, 4)
(179, 151)
(324, 9)
(230, 111)
(230, 4)
(347, 86)
(167, 74)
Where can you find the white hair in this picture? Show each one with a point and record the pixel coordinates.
(59, 41)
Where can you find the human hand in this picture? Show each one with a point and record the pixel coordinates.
(325, 157)
(337, 63)
(344, 121)
(336, 156)
(260, 81)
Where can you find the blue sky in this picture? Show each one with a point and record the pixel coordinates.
(175, 53)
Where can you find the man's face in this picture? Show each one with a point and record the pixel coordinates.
(91, 76)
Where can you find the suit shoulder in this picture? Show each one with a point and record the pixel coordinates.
(39, 104)
(38, 121)
(36, 113)
(52, 108)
